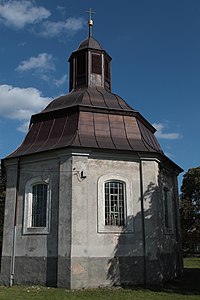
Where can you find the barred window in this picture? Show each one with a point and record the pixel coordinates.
(114, 203)
(39, 205)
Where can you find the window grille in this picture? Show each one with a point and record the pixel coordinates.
(39, 205)
(114, 203)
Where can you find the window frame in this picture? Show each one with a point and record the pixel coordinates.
(28, 200)
(128, 205)
(168, 215)
(109, 200)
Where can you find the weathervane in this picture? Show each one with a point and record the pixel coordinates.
(90, 21)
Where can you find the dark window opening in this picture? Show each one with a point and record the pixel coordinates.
(71, 75)
(81, 64)
(96, 64)
(166, 208)
(81, 69)
(107, 69)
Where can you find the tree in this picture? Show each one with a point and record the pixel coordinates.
(190, 210)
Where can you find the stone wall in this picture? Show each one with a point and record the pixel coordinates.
(80, 251)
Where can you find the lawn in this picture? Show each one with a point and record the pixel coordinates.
(192, 263)
(186, 288)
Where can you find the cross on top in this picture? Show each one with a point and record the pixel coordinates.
(90, 21)
(90, 12)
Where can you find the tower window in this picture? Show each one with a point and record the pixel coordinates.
(81, 69)
(114, 203)
(71, 75)
(96, 64)
(107, 73)
(107, 69)
(81, 65)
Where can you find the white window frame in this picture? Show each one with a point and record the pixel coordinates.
(128, 205)
(114, 214)
(27, 226)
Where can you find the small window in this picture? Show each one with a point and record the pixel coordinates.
(37, 207)
(96, 64)
(114, 203)
(81, 70)
(167, 209)
(71, 70)
(107, 73)
(107, 69)
(81, 64)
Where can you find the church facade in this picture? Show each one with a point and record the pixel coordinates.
(91, 198)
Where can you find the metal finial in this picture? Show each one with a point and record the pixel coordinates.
(90, 21)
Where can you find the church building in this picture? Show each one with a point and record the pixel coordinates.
(91, 198)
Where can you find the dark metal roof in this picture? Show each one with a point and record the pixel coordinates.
(95, 97)
(91, 43)
(89, 118)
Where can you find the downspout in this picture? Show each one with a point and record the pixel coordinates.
(12, 269)
(143, 221)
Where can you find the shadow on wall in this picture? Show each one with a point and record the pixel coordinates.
(1, 226)
(2, 204)
(146, 255)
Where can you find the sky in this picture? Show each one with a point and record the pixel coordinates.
(155, 50)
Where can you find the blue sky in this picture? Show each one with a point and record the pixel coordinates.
(155, 46)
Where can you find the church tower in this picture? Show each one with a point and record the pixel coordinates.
(91, 198)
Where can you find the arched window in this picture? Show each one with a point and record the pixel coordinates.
(37, 206)
(114, 203)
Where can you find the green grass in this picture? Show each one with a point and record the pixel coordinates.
(38, 293)
(186, 288)
(193, 263)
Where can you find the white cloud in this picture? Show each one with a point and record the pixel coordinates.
(20, 13)
(60, 81)
(43, 62)
(168, 136)
(23, 127)
(69, 27)
(20, 103)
